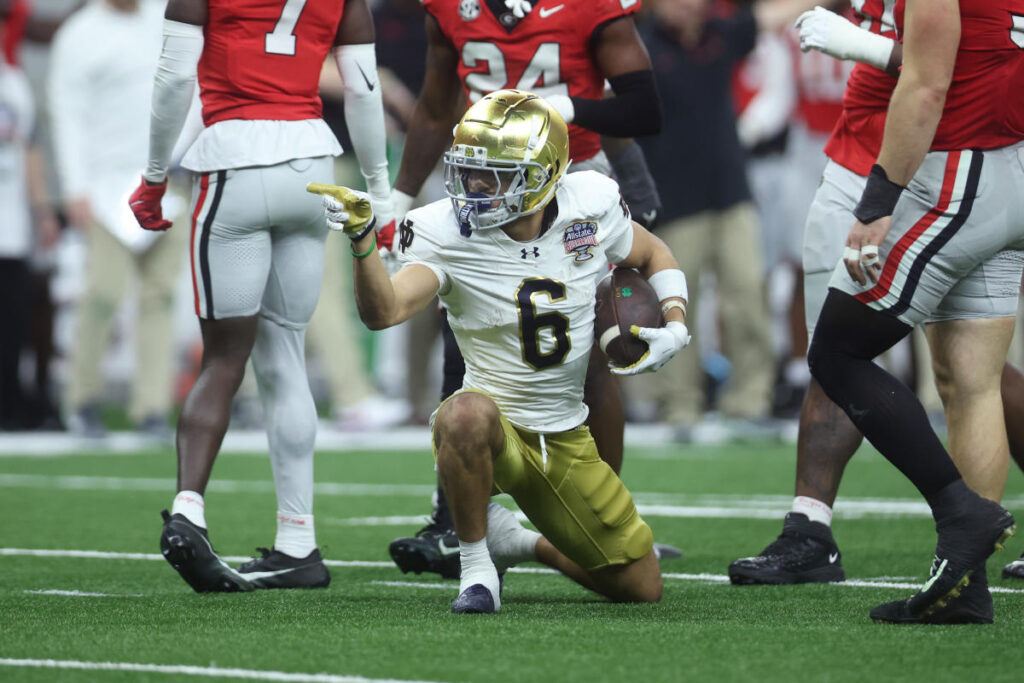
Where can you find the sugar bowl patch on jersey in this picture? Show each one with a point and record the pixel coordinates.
(579, 239)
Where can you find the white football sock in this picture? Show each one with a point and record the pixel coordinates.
(508, 541)
(295, 534)
(191, 505)
(815, 510)
(478, 568)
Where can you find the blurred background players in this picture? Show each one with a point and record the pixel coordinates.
(709, 221)
(563, 52)
(27, 224)
(257, 246)
(100, 88)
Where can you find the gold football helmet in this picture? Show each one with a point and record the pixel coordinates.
(510, 150)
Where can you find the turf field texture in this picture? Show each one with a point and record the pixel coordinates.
(85, 596)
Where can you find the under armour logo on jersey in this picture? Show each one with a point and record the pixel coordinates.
(535, 253)
(405, 235)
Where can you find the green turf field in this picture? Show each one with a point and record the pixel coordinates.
(127, 606)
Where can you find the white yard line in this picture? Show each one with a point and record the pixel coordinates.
(391, 440)
(880, 582)
(83, 594)
(204, 671)
(414, 584)
(650, 504)
(93, 483)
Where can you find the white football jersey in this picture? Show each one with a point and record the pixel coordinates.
(523, 312)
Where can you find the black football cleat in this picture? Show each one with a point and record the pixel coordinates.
(973, 605)
(474, 600)
(1014, 570)
(803, 553)
(966, 539)
(274, 569)
(434, 548)
(187, 548)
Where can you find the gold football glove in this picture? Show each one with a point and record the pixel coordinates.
(347, 210)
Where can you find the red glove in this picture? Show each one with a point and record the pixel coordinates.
(145, 204)
(386, 236)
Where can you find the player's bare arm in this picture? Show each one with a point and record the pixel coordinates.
(435, 112)
(356, 24)
(187, 11)
(930, 40)
(650, 255)
(382, 301)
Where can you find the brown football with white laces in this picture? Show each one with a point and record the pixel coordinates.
(624, 298)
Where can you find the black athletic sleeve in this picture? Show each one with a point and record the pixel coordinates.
(634, 111)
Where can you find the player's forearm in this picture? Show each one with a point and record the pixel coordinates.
(374, 293)
(364, 114)
(634, 111)
(913, 117)
(173, 88)
(425, 141)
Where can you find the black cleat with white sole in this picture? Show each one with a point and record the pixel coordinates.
(434, 548)
(187, 548)
(966, 539)
(804, 552)
(274, 569)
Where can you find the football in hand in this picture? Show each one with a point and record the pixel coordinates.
(624, 298)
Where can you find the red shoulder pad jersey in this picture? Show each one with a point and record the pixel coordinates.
(262, 58)
(857, 136)
(984, 102)
(547, 52)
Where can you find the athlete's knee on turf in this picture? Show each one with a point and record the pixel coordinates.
(638, 581)
(466, 423)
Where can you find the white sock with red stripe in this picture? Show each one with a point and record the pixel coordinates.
(191, 505)
(815, 510)
(295, 534)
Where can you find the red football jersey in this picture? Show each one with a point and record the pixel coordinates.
(820, 86)
(262, 58)
(857, 137)
(546, 52)
(984, 102)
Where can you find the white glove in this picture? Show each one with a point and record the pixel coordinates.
(563, 105)
(662, 344)
(837, 36)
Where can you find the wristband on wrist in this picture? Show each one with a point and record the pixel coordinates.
(372, 248)
(673, 303)
(365, 231)
(879, 197)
